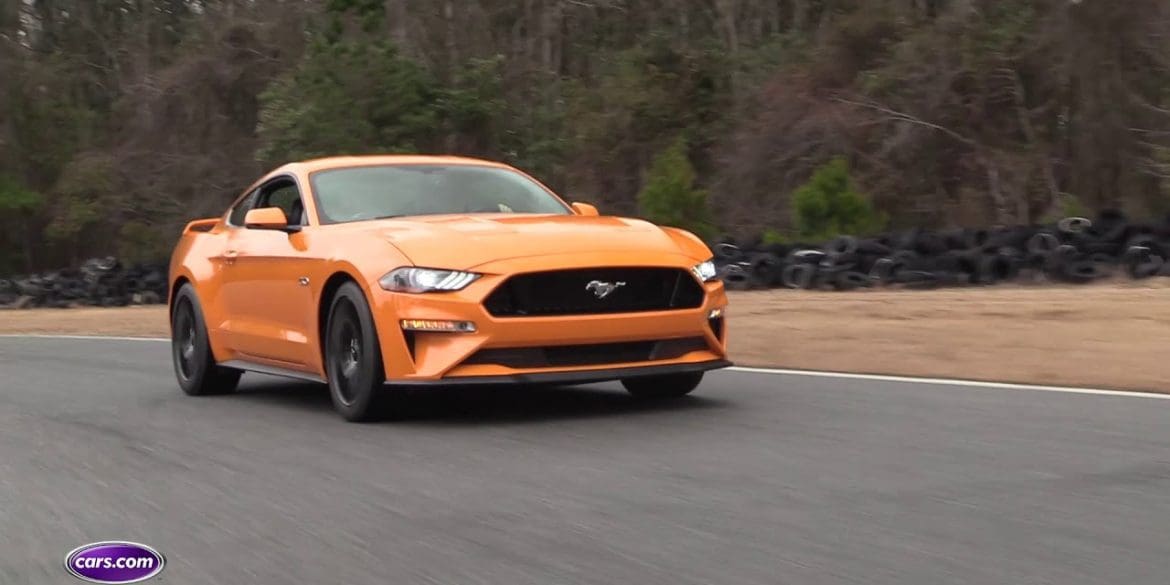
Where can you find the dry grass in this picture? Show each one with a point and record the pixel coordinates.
(1108, 336)
(144, 321)
(1112, 336)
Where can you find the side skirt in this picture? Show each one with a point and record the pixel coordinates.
(272, 370)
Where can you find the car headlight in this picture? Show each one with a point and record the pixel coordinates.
(705, 271)
(421, 280)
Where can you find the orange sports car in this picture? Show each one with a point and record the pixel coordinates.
(376, 273)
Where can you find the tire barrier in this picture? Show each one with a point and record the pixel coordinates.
(1074, 250)
(98, 282)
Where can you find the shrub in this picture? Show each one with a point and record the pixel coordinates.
(774, 236)
(828, 205)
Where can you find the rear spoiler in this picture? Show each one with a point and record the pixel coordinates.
(200, 225)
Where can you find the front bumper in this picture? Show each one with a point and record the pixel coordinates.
(570, 377)
(429, 358)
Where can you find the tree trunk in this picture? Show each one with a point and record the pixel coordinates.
(550, 29)
(728, 11)
(30, 244)
(396, 19)
(995, 190)
(451, 32)
(800, 13)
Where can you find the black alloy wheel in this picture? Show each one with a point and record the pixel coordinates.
(195, 367)
(353, 357)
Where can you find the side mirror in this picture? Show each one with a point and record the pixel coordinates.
(585, 209)
(269, 218)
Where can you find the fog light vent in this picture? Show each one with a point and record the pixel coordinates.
(715, 321)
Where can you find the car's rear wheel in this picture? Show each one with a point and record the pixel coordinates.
(663, 386)
(353, 357)
(195, 366)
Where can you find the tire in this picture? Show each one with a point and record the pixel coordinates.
(1140, 263)
(850, 280)
(996, 268)
(195, 367)
(1081, 271)
(918, 279)
(1074, 225)
(1043, 243)
(737, 278)
(728, 251)
(767, 270)
(798, 276)
(663, 386)
(841, 245)
(353, 357)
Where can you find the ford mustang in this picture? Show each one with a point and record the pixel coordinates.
(377, 273)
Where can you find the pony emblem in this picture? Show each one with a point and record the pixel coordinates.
(602, 289)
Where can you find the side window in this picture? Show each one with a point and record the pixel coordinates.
(284, 194)
(236, 217)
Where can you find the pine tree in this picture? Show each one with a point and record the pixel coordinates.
(670, 197)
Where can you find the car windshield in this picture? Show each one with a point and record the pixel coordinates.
(377, 192)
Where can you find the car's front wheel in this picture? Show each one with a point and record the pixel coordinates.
(353, 357)
(663, 386)
(195, 366)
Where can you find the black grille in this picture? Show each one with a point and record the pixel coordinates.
(588, 355)
(567, 292)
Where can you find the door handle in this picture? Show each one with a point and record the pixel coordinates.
(230, 256)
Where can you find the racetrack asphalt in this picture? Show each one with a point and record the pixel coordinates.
(758, 478)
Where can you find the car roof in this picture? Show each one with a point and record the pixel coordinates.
(334, 162)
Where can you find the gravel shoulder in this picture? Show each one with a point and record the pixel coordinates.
(1104, 336)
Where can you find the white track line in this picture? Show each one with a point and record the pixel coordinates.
(92, 337)
(951, 382)
(781, 371)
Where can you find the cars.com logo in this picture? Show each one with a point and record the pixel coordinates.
(114, 562)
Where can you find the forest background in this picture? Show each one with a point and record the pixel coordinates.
(793, 119)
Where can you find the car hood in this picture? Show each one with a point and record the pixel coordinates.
(467, 241)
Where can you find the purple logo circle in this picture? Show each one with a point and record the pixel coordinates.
(114, 562)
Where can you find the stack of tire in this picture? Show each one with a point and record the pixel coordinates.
(98, 282)
(1074, 250)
